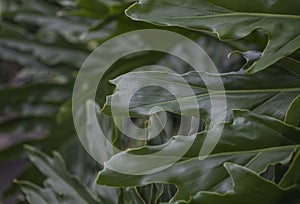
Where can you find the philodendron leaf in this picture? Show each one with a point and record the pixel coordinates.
(193, 175)
(268, 92)
(35, 93)
(37, 195)
(230, 20)
(131, 195)
(68, 187)
(292, 177)
(92, 8)
(249, 188)
(16, 38)
(292, 116)
(247, 131)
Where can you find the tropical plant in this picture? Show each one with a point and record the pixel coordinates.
(257, 158)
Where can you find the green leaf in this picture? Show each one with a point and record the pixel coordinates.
(230, 20)
(51, 54)
(22, 129)
(151, 193)
(131, 195)
(91, 8)
(193, 175)
(256, 92)
(262, 191)
(241, 143)
(56, 135)
(292, 177)
(123, 66)
(28, 115)
(33, 69)
(37, 195)
(50, 26)
(24, 59)
(35, 93)
(292, 116)
(62, 183)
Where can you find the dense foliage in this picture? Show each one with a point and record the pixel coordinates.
(43, 43)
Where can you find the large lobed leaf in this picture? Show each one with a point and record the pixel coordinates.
(60, 185)
(230, 20)
(262, 190)
(268, 92)
(241, 143)
(16, 38)
(35, 194)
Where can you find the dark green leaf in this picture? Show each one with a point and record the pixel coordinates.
(256, 92)
(230, 20)
(292, 116)
(246, 132)
(262, 191)
(37, 195)
(62, 183)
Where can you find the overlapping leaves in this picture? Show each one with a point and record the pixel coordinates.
(250, 140)
(250, 145)
(60, 185)
(231, 20)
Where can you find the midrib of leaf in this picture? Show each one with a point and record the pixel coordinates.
(240, 14)
(225, 92)
(230, 91)
(224, 154)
